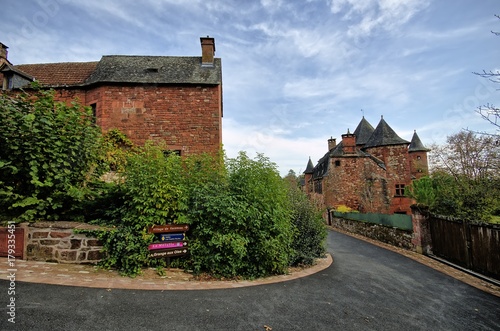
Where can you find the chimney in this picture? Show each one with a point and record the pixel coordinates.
(332, 142)
(349, 143)
(3, 53)
(207, 51)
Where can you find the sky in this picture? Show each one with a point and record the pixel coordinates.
(295, 73)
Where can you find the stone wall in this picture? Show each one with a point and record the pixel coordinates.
(392, 236)
(58, 242)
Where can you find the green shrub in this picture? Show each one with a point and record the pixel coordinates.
(150, 192)
(240, 221)
(49, 154)
(310, 232)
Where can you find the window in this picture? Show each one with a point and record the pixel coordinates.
(337, 163)
(172, 152)
(400, 190)
(94, 112)
(418, 157)
(318, 186)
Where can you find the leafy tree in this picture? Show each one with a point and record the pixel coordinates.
(464, 180)
(49, 155)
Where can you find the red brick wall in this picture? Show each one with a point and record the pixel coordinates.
(186, 118)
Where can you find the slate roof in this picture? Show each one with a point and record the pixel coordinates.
(310, 167)
(7, 66)
(126, 69)
(363, 132)
(59, 74)
(155, 70)
(416, 144)
(384, 135)
(321, 169)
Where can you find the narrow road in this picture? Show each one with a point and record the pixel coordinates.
(366, 288)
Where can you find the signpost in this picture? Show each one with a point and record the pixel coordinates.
(168, 253)
(171, 241)
(172, 236)
(169, 228)
(167, 245)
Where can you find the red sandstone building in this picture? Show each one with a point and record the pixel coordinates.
(368, 170)
(173, 99)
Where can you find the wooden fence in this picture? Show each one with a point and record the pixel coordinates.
(472, 246)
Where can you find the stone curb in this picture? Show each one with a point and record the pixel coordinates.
(88, 276)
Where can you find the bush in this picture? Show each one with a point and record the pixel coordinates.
(240, 221)
(49, 155)
(310, 231)
(151, 193)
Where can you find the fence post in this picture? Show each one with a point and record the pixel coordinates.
(468, 243)
(421, 236)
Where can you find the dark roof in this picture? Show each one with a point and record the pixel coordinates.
(310, 167)
(126, 69)
(59, 74)
(9, 67)
(384, 135)
(321, 169)
(155, 70)
(416, 145)
(363, 132)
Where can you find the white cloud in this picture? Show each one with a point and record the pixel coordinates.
(289, 151)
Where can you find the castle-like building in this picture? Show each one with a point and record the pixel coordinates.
(368, 170)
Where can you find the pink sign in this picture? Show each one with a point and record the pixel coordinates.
(166, 245)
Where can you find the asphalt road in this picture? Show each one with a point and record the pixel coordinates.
(366, 288)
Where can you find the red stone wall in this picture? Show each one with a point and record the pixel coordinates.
(419, 164)
(397, 161)
(187, 118)
(57, 242)
(358, 182)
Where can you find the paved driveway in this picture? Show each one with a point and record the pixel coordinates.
(366, 288)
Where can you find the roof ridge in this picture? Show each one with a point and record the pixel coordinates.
(416, 144)
(384, 135)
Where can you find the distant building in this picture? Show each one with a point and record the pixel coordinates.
(368, 170)
(173, 99)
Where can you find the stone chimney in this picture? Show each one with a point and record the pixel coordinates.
(3, 54)
(207, 51)
(349, 143)
(332, 142)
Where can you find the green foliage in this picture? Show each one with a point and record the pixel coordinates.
(116, 147)
(240, 220)
(49, 154)
(475, 199)
(151, 193)
(310, 231)
(423, 191)
(153, 188)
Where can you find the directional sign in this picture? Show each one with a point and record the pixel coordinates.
(172, 236)
(169, 228)
(168, 252)
(166, 245)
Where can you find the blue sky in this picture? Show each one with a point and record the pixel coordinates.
(295, 73)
